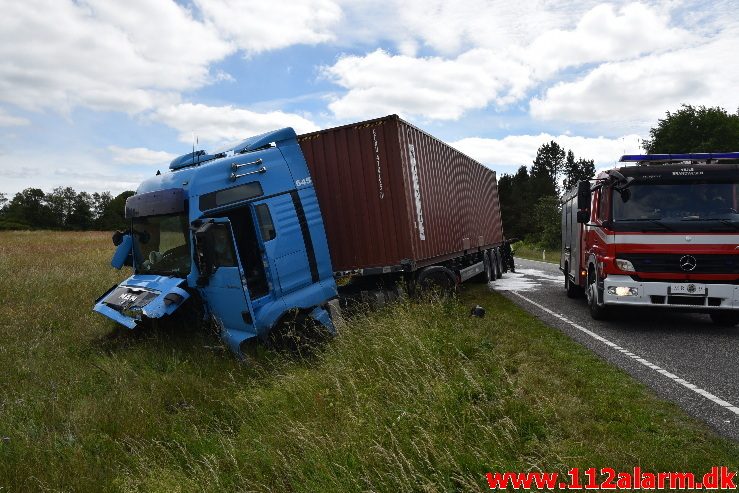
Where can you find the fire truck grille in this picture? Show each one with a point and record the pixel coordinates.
(678, 263)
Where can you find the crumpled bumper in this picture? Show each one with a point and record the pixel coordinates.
(142, 296)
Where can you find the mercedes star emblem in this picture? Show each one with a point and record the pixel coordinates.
(688, 263)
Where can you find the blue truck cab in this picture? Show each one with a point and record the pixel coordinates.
(240, 230)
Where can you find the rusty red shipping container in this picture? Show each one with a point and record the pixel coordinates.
(391, 193)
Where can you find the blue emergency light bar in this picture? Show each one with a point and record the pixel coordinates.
(666, 158)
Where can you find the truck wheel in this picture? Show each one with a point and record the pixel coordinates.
(499, 263)
(596, 312)
(725, 319)
(486, 275)
(489, 274)
(437, 278)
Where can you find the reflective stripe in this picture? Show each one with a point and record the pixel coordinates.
(675, 239)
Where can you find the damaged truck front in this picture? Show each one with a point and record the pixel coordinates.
(207, 229)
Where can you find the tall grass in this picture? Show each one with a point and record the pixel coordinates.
(414, 397)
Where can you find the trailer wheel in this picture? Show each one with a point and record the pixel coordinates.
(725, 319)
(490, 271)
(437, 278)
(597, 312)
(488, 274)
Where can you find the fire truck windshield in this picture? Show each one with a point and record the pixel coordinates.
(677, 206)
(162, 245)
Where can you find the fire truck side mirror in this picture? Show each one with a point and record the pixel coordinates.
(583, 216)
(583, 195)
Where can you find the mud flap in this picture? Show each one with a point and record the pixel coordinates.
(235, 338)
(322, 317)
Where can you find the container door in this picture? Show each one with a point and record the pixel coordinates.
(224, 289)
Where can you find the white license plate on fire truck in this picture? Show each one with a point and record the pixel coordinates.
(688, 288)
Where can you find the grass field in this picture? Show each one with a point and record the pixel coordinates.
(415, 397)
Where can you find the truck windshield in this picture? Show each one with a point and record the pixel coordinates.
(162, 245)
(678, 206)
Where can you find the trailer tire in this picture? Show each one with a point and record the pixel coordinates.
(725, 319)
(494, 269)
(487, 274)
(437, 278)
(597, 312)
(499, 263)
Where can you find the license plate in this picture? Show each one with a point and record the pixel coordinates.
(688, 288)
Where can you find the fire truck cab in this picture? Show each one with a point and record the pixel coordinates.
(660, 231)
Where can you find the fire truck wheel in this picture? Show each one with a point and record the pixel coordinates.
(596, 312)
(725, 319)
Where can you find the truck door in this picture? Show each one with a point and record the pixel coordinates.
(223, 285)
(285, 238)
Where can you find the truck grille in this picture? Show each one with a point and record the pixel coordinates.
(670, 262)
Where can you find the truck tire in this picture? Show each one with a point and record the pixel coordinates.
(499, 263)
(494, 268)
(597, 312)
(490, 271)
(437, 278)
(487, 274)
(725, 319)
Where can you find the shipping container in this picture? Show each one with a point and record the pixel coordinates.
(393, 196)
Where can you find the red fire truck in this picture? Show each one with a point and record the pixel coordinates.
(660, 231)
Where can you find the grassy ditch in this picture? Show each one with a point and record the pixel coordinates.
(530, 251)
(414, 397)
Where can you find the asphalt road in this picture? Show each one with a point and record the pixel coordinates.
(682, 357)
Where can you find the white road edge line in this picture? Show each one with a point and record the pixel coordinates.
(704, 393)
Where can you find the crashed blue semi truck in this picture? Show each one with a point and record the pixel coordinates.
(260, 232)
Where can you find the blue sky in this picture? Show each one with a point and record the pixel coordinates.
(98, 95)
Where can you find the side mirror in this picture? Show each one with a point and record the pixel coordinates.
(583, 216)
(122, 255)
(583, 195)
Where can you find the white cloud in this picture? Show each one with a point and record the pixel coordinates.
(451, 27)
(516, 150)
(129, 56)
(256, 26)
(445, 88)
(605, 34)
(83, 171)
(220, 124)
(8, 120)
(437, 88)
(642, 90)
(140, 155)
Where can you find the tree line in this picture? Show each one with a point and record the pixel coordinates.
(63, 209)
(530, 198)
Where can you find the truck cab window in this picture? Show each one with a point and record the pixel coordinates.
(603, 204)
(223, 246)
(250, 253)
(266, 226)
